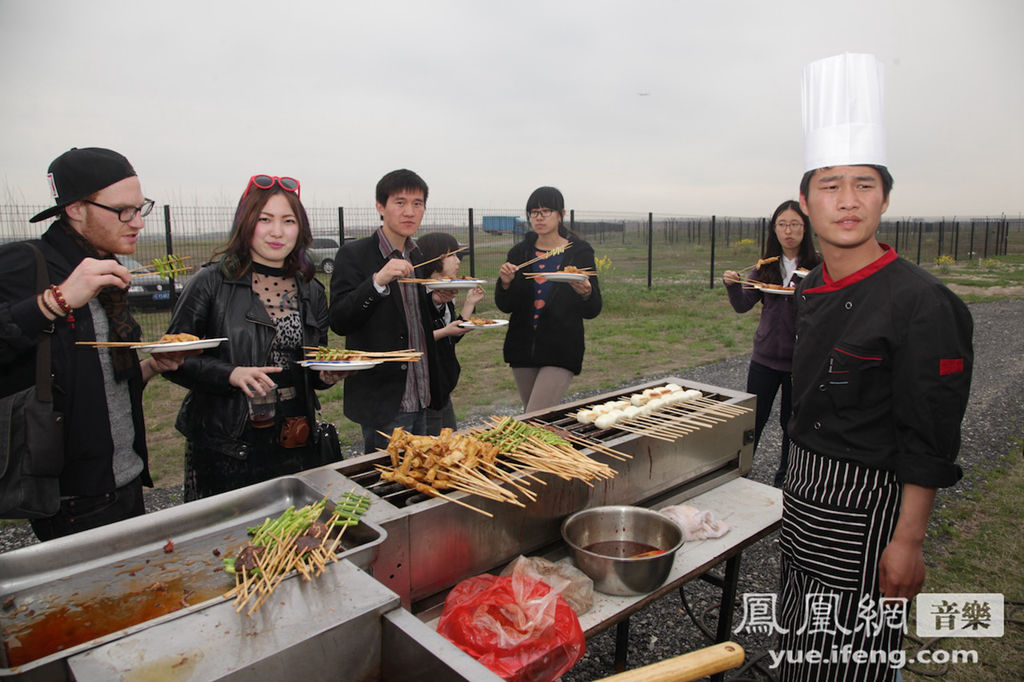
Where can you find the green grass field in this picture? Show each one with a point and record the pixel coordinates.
(960, 560)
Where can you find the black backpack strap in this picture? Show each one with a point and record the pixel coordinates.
(44, 380)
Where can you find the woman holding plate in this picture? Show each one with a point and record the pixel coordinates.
(544, 343)
(789, 250)
(262, 296)
(448, 329)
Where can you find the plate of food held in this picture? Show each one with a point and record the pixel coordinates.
(775, 289)
(482, 323)
(338, 365)
(562, 276)
(454, 283)
(175, 343)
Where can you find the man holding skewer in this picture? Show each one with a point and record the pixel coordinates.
(881, 376)
(376, 312)
(99, 208)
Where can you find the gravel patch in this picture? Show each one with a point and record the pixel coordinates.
(993, 423)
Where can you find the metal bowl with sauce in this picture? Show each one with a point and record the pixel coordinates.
(625, 550)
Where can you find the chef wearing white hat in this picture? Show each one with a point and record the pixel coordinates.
(881, 376)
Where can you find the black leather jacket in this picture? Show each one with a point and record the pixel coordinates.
(214, 414)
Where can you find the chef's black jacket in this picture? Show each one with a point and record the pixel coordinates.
(882, 370)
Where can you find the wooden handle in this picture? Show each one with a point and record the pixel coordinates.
(692, 666)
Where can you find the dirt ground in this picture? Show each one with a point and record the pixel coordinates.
(1011, 292)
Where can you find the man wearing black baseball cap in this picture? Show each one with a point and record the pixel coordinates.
(99, 209)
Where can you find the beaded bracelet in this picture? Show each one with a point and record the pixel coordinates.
(62, 304)
(49, 308)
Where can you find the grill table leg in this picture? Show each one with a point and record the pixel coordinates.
(621, 644)
(729, 584)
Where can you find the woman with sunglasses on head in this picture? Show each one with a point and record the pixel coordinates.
(789, 248)
(447, 331)
(261, 295)
(544, 343)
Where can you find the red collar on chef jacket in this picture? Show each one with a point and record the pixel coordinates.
(835, 285)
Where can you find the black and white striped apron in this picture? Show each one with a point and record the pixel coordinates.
(837, 518)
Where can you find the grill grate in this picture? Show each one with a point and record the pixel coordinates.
(365, 474)
(364, 471)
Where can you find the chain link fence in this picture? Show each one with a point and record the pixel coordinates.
(633, 249)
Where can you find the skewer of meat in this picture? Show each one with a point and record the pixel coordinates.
(553, 252)
(433, 492)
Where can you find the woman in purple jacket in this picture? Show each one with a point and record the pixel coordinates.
(790, 248)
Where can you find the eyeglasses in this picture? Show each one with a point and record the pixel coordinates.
(128, 213)
(541, 212)
(268, 181)
(789, 225)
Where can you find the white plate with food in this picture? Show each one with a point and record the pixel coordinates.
(801, 272)
(178, 346)
(339, 365)
(454, 284)
(482, 323)
(559, 276)
(781, 291)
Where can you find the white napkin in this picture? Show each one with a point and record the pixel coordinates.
(696, 524)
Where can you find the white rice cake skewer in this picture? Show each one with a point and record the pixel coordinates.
(608, 419)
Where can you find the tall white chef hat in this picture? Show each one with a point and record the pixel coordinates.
(842, 108)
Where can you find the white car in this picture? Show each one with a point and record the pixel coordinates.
(322, 252)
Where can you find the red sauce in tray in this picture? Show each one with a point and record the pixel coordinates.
(620, 549)
(71, 624)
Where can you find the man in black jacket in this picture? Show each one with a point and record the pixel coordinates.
(99, 207)
(375, 312)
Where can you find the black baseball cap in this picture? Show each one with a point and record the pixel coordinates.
(77, 173)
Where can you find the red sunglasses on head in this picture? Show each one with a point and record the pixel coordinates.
(268, 181)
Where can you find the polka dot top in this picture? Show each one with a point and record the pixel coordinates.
(280, 297)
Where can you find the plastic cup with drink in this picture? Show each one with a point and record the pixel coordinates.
(263, 408)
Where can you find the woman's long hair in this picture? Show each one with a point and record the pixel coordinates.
(806, 256)
(237, 253)
(550, 197)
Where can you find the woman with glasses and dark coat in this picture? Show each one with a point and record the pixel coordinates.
(789, 251)
(544, 343)
(261, 295)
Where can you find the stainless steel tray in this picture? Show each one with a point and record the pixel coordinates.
(101, 585)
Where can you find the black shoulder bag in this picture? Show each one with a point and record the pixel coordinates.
(32, 436)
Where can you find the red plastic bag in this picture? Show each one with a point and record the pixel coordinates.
(515, 625)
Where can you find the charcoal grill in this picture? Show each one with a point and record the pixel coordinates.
(432, 543)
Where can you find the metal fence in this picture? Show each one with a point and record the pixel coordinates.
(636, 248)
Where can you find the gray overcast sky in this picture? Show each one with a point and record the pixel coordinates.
(681, 107)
